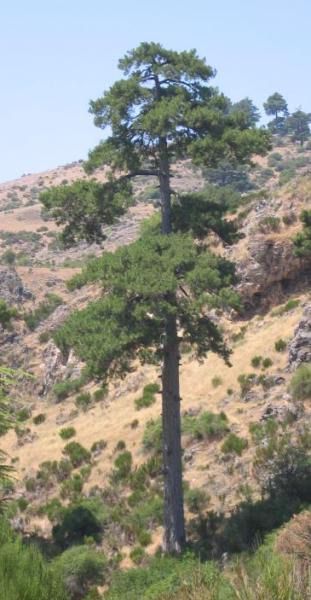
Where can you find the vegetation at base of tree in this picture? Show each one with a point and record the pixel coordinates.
(300, 384)
(302, 241)
(148, 396)
(34, 317)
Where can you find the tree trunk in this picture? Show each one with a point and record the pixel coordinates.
(174, 534)
(174, 524)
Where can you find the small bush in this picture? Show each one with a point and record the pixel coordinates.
(63, 389)
(196, 499)
(38, 419)
(44, 310)
(44, 337)
(71, 488)
(206, 426)
(123, 466)
(83, 401)
(67, 432)
(269, 223)
(152, 438)
(77, 453)
(81, 568)
(256, 361)
(216, 381)
(100, 393)
(280, 345)
(121, 445)
(99, 445)
(246, 381)
(234, 444)
(134, 424)
(290, 305)
(137, 555)
(266, 363)
(23, 414)
(301, 383)
(148, 398)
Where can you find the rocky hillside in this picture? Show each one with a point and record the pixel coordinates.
(269, 341)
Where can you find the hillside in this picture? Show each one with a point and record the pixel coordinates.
(275, 288)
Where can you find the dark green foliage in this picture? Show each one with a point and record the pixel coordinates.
(247, 110)
(83, 206)
(217, 381)
(99, 445)
(44, 337)
(276, 106)
(77, 453)
(266, 363)
(280, 345)
(111, 332)
(234, 444)
(298, 125)
(148, 397)
(72, 487)
(67, 432)
(256, 361)
(77, 523)
(301, 383)
(83, 400)
(302, 241)
(43, 311)
(121, 445)
(23, 414)
(81, 568)
(100, 393)
(207, 425)
(63, 389)
(6, 314)
(24, 575)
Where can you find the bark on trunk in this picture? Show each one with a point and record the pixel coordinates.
(174, 523)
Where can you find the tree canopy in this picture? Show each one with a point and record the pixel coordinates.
(298, 125)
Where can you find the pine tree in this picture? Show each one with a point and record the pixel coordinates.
(298, 125)
(163, 110)
(276, 106)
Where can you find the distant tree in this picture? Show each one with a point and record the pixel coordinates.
(298, 125)
(302, 241)
(247, 108)
(276, 106)
(160, 286)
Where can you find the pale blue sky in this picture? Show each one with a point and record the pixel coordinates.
(57, 55)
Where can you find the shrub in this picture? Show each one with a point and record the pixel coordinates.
(6, 314)
(152, 438)
(266, 363)
(123, 466)
(148, 397)
(134, 424)
(77, 523)
(38, 419)
(196, 499)
(22, 503)
(216, 381)
(269, 223)
(144, 538)
(44, 337)
(121, 445)
(71, 488)
(246, 381)
(256, 361)
(137, 555)
(280, 345)
(234, 444)
(23, 414)
(77, 453)
(43, 311)
(67, 432)
(206, 426)
(290, 305)
(63, 389)
(80, 568)
(83, 401)
(100, 393)
(300, 385)
(99, 445)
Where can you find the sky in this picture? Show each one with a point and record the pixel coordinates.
(57, 55)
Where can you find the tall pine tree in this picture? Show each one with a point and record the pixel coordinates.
(158, 289)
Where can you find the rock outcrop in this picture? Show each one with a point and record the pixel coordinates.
(299, 350)
(12, 289)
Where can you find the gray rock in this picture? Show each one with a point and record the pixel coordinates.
(299, 349)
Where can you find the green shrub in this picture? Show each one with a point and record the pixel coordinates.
(67, 432)
(234, 444)
(43, 311)
(256, 361)
(77, 453)
(99, 445)
(80, 568)
(6, 314)
(44, 337)
(122, 466)
(148, 397)
(71, 488)
(63, 389)
(100, 393)
(280, 345)
(77, 523)
(24, 574)
(300, 384)
(152, 438)
(196, 499)
(137, 555)
(217, 381)
(83, 401)
(246, 381)
(266, 363)
(269, 223)
(144, 538)
(22, 503)
(38, 419)
(206, 426)
(290, 305)
(134, 424)
(260, 431)
(23, 414)
(121, 445)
